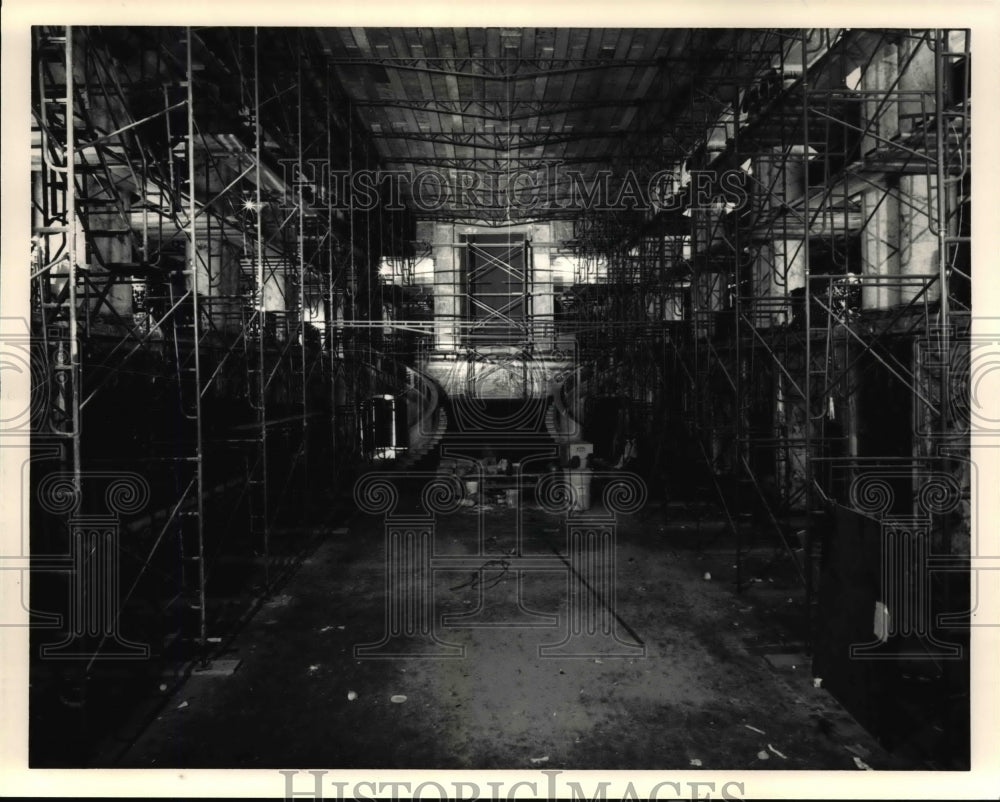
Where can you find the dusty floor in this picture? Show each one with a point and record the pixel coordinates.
(704, 691)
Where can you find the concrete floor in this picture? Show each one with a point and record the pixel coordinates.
(705, 690)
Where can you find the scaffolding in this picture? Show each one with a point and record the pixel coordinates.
(212, 314)
(819, 239)
(206, 313)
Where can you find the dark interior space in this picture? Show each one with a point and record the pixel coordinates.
(500, 398)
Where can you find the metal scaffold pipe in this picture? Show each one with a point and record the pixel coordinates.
(260, 310)
(192, 260)
(73, 234)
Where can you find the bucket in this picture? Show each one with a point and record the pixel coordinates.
(580, 480)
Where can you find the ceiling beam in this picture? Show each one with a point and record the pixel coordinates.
(507, 141)
(491, 164)
(500, 68)
(507, 110)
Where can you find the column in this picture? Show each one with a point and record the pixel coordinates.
(879, 248)
(539, 277)
(880, 110)
(918, 245)
(447, 287)
(787, 276)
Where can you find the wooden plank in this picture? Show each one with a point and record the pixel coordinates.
(360, 38)
(646, 75)
(491, 43)
(577, 48)
(616, 82)
(418, 41)
(405, 86)
(528, 43)
(433, 41)
(544, 46)
(453, 93)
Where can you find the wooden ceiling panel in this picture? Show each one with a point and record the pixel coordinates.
(497, 95)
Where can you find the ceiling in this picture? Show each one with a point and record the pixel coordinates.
(484, 109)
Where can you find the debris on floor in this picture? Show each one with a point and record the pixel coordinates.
(279, 601)
(861, 764)
(790, 660)
(217, 668)
(185, 704)
(858, 750)
(624, 705)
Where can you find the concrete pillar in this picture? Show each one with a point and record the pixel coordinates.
(560, 231)
(673, 306)
(897, 240)
(229, 273)
(539, 274)
(790, 421)
(112, 249)
(116, 249)
(779, 178)
(780, 265)
(916, 83)
(918, 245)
(788, 276)
(879, 248)
(276, 285)
(763, 268)
(779, 269)
(219, 280)
(447, 287)
(339, 303)
(880, 114)
(275, 279)
(721, 132)
(708, 226)
(707, 288)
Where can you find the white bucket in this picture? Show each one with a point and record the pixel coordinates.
(580, 480)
